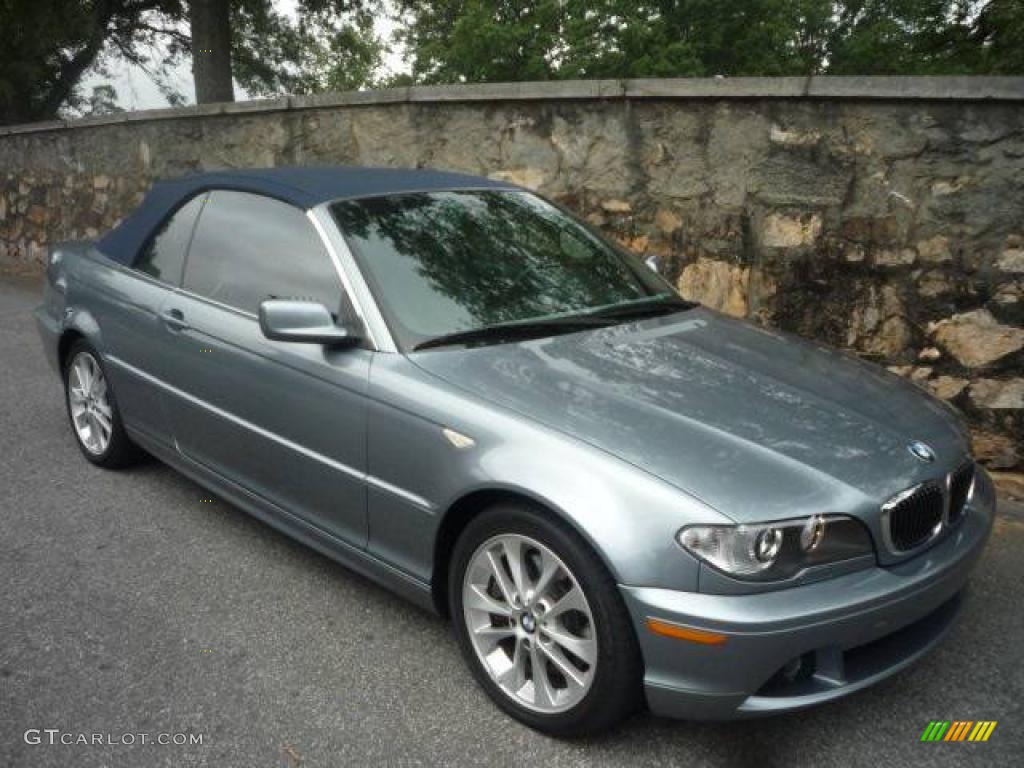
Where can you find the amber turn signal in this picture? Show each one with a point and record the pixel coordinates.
(685, 633)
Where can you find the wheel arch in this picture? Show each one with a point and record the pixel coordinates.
(67, 340)
(466, 507)
(79, 325)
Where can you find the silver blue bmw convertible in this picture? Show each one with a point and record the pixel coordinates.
(454, 387)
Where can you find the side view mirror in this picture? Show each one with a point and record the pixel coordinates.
(302, 321)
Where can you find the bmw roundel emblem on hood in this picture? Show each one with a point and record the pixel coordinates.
(922, 451)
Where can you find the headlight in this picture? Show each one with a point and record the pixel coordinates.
(775, 551)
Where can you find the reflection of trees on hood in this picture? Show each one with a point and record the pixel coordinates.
(501, 256)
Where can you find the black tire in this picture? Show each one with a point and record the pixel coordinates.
(120, 451)
(616, 690)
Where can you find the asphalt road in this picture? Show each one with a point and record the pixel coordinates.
(131, 605)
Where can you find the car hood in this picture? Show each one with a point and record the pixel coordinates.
(758, 424)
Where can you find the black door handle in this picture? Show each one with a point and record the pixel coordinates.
(174, 319)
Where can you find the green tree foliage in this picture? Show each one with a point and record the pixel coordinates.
(50, 45)
(102, 101)
(614, 38)
(493, 40)
(331, 47)
(907, 37)
(995, 41)
(928, 37)
(481, 40)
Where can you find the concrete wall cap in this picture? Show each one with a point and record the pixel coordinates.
(938, 88)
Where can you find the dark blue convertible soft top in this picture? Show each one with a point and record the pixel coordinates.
(302, 187)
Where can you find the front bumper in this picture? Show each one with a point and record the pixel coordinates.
(847, 633)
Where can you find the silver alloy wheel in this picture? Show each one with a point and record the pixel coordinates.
(91, 414)
(530, 623)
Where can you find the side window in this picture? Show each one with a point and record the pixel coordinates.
(248, 248)
(164, 254)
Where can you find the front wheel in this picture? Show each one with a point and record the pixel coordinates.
(540, 622)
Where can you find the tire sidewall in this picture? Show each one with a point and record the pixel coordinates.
(117, 437)
(614, 689)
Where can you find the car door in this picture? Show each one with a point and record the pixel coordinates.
(285, 420)
(130, 303)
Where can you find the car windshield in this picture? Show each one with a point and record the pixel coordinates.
(444, 263)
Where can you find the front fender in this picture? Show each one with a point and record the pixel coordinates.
(628, 516)
(83, 322)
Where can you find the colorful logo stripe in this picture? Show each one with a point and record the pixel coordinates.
(982, 730)
(958, 730)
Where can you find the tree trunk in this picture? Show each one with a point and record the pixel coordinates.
(211, 50)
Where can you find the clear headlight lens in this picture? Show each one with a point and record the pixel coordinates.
(779, 550)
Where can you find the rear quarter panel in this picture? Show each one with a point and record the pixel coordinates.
(116, 310)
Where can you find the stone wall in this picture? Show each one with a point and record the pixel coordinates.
(883, 215)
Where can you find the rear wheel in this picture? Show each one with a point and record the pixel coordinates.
(93, 412)
(541, 623)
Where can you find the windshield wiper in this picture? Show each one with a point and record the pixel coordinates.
(663, 305)
(514, 331)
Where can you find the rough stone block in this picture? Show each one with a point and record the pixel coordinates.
(976, 339)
